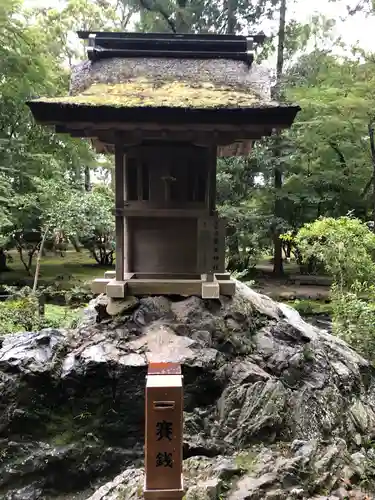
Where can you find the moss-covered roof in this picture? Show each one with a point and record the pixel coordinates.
(142, 92)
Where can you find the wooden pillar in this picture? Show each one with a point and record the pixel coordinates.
(164, 431)
(119, 203)
(212, 159)
(123, 246)
(212, 167)
(128, 262)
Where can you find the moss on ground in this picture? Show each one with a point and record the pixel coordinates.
(306, 306)
(74, 269)
(246, 461)
(146, 93)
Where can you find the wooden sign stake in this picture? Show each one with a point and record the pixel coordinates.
(164, 431)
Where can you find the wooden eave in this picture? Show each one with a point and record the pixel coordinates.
(57, 113)
(105, 125)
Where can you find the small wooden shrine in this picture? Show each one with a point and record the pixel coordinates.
(167, 106)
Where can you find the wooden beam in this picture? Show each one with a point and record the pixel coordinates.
(99, 285)
(210, 290)
(175, 287)
(222, 276)
(133, 126)
(164, 287)
(138, 284)
(164, 131)
(117, 289)
(185, 213)
(110, 275)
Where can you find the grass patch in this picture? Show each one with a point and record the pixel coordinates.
(246, 461)
(62, 316)
(21, 315)
(74, 269)
(313, 307)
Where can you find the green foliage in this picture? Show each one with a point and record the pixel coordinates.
(197, 16)
(97, 226)
(59, 23)
(330, 169)
(22, 312)
(247, 228)
(313, 307)
(246, 461)
(20, 315)
(35, 163)
(345, 246)
(354, 316)
(78, 294)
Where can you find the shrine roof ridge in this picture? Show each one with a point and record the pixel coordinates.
(104, 45)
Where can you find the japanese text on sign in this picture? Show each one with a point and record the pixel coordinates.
(164, 459)
(164, 430)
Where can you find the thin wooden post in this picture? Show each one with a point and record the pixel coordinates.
(212, 160)
(164, 431)
(119, 203)
(212, 196)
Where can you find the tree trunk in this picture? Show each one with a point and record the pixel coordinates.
(3, 261)
(26, 266)
(75, 242)
(278, 268)
(231, 8)
(372, 145)
(182, 25)
(38, 260)
(278, 265)
(87, 179)
(280, 45)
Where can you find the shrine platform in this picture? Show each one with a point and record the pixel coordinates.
(204, 286)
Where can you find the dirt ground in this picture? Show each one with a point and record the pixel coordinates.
(284, 292)
(292, 286)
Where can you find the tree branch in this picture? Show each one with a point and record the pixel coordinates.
(367, 187)
(38, 260)
(155, 7)
(339, 153)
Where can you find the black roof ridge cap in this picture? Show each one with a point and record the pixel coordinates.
(258, 37)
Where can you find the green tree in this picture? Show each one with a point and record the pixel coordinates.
(96, 229)
(28, 152)
(330, 171)
(200, 16)
(346, 247)
(239, 202)
(59, 25)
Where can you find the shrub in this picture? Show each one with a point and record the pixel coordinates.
(25, 311)
(346, 246)
(354, 317)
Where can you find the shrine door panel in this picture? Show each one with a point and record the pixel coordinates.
(167, 245)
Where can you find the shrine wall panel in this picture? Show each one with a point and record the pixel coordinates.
(167, 245)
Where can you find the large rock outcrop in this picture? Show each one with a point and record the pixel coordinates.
(274, 408)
